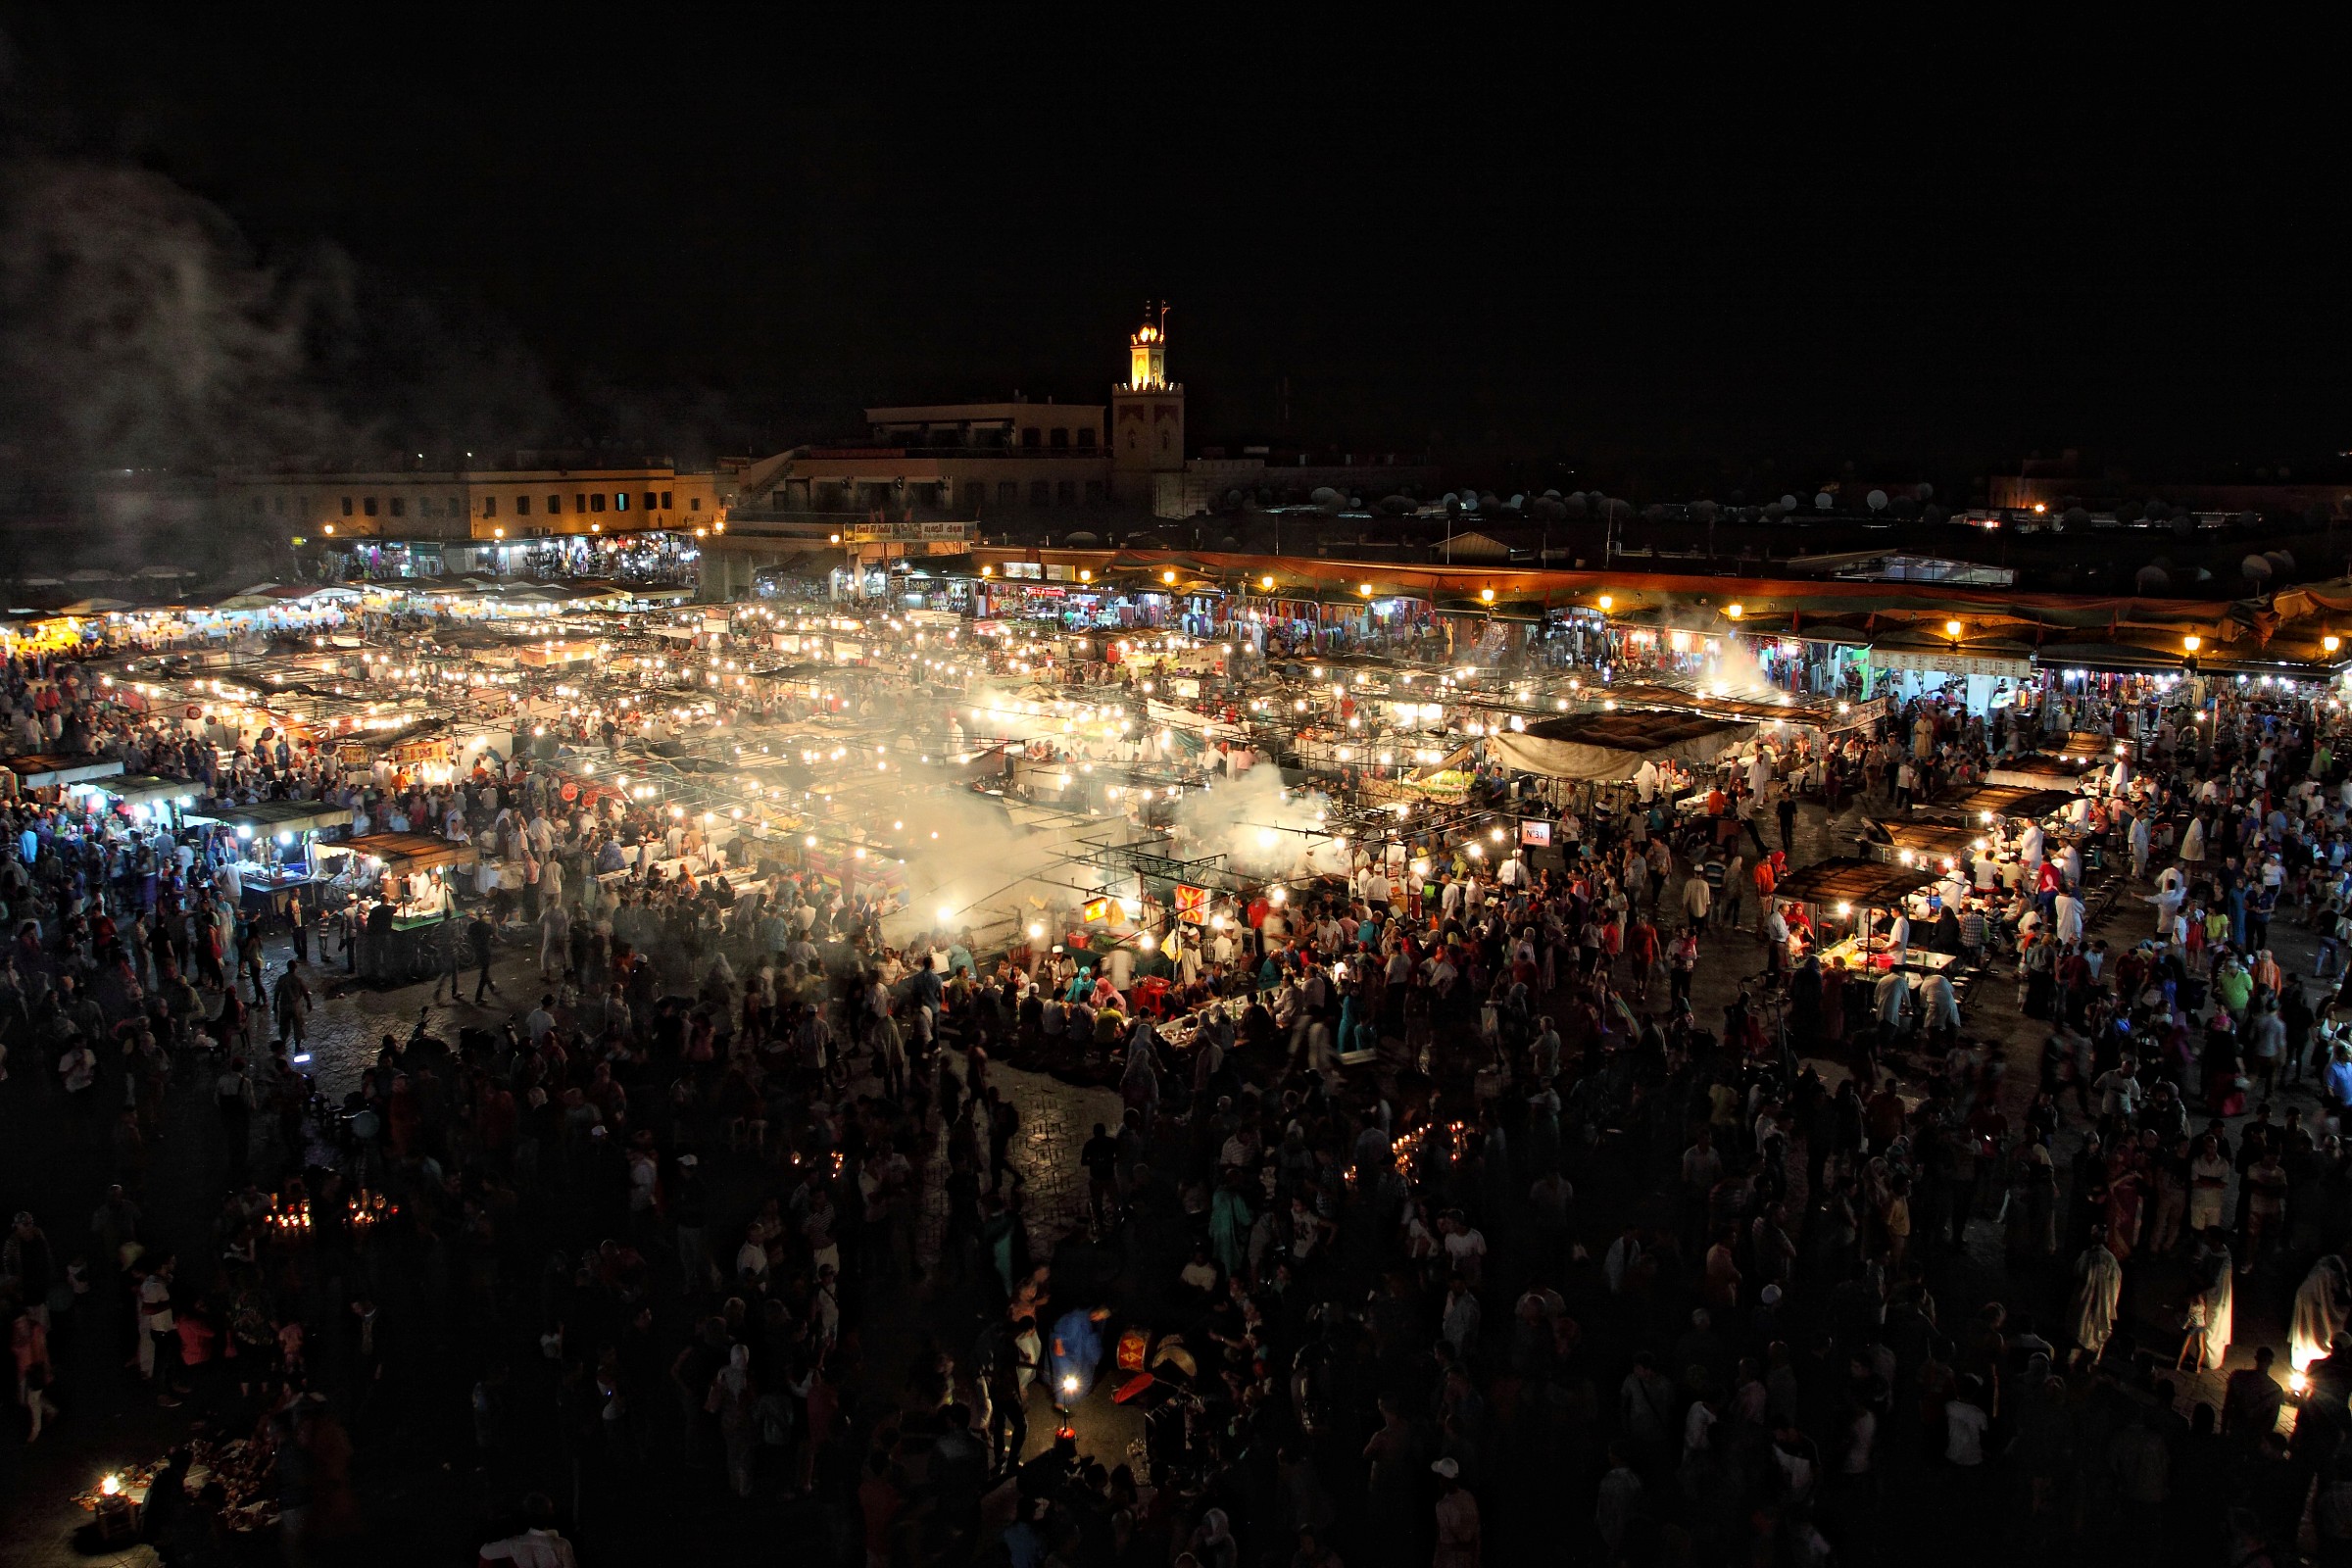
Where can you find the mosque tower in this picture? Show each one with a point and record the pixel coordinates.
(1147, 415)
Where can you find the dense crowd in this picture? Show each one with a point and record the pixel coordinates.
(1444, 1221)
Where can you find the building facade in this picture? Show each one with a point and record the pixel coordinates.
(475, 503)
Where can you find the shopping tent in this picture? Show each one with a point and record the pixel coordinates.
(1607, 748)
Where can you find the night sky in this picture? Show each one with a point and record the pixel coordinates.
(764, 230)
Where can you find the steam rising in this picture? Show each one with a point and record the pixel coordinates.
(1260, 828)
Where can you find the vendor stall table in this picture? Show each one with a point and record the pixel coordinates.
(283, 834)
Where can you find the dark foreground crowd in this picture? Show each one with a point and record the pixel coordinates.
(657, 1258)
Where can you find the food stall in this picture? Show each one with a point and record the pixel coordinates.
(1930, 846)
(142, 797)
(246, 1471)
(275, 846)
(1833, 904)
(408, 898)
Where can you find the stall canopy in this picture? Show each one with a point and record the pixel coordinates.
(1925, 844)
(1992, 802)
(410, 853)
(1862, 884)
(1763, 710)
(149, 789)
(40, 771)
(277, 817)
(2042, 771)
(1607, 748)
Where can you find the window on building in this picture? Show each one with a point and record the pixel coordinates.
(522, 505)
(555, 506)
(1041, 492)
(1062, 440)
(368, 504)
(596, 501)
(489, 505)
(347, 506)
(975, 495)
(651, 500)
(620, 501)
(1066, 493)
(277, 503)
(399, 506)
(1008, 494)
(664, 500)
(453, 506)
(1029, 438)
(425, 507)
(693, 503)
(1094, 492)
(257, 506)
(1086, 440)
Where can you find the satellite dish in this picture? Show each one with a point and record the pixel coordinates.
(2152, 579)
(2255, 568)
(1788, 503)
(1877, 500)
(1923, 492)
(1822, 501)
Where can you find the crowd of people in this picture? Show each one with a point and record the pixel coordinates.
(1492, 1209)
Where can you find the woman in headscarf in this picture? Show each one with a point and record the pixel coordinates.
(2322, 1306)
(1229, 1223)
(1075, 1354)
(2098, 1293)
(1138, 1083)
(1832, 1003)
(1213, 1546)
(2212, 1307)
(732, 1396)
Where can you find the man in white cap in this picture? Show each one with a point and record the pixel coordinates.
(1458, 1544)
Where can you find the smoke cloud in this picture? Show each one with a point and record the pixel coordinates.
(142, 330)
(1262, 830)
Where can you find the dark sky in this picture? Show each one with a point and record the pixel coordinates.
(790, 224)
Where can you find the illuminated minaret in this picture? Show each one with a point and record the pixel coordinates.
(1146, 413)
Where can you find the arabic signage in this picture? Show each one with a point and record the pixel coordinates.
(1946, 664)
(892, 533)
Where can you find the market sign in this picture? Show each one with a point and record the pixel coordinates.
(1192, 905)
(891, 533)
(1097, 910)
(1946, 664)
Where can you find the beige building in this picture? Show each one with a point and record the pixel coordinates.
(970, 459)
(477, 504)
(992, 461)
